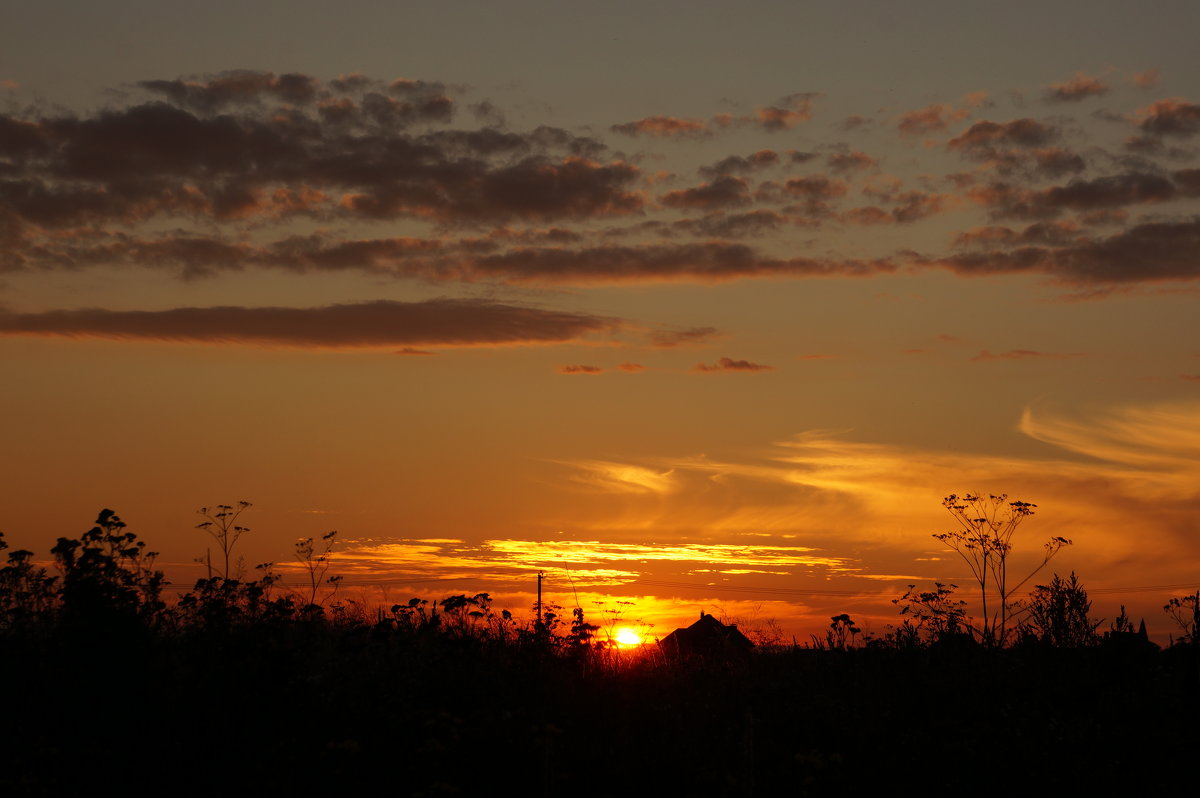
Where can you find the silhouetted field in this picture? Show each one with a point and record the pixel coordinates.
(237, 687)
(311, 706)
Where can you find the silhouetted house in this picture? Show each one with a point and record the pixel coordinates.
(1133, 642)
(707, 638)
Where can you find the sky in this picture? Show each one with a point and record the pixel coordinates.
(699, 306)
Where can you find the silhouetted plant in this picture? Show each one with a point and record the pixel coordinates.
(1185, 611)
(108, 575)
(842, 633)
(463, 614)
(412, 616)
(582, 632)
(984, 541)
(1058, 614)
(27, 592)
(222, 524)
(217, 603)
(932, 615)
(316, 565)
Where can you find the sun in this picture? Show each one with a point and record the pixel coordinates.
(627, 638)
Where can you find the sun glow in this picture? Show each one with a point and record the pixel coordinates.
(627, 638)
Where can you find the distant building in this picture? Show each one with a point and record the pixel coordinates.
(707, 638)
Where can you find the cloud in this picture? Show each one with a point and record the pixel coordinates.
(1079, 87)
(1147, 79)
(729, 364)
(664, 127)
(237, 87)
(930, 119)
(733, 225)
(1102, 193)
(439, 260)
(1023, 354)
(740, 165)
(1170, 118)
(786, 114)
(671, 338)
(721, 192)
(1148, 252)
(849, 162)
(366, 154)
(382, 323)
(631, 367)
(813, 197)
(701, 262)
(580, 369)
(1002, 142)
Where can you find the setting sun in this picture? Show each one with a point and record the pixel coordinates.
(628, 638)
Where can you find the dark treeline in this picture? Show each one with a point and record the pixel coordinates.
(238, 685)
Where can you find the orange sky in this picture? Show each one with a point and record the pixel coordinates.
(704, 326)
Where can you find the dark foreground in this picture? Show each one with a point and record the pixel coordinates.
(314, 707)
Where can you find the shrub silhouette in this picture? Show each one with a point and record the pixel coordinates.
(1058, 614)
(108, 578)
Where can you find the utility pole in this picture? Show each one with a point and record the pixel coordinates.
(539, 626)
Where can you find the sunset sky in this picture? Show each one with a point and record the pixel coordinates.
(700, 305)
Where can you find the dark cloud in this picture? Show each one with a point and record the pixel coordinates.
(664, 127)
(721, 192)
(445, 322)
(1055, 162)
(1149, 252)
(910, 206)
(997, 141)
(346, 156)
(1173, 117)
(1079, 87)
(701, 262)
(741, 165)
(733, 225)
(671, 338)
(1055, 234)
(439, 260)
(729, 364)
(580, 369)
(238, 87)
(849, 162)
(1113, 191)
(812, 198)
